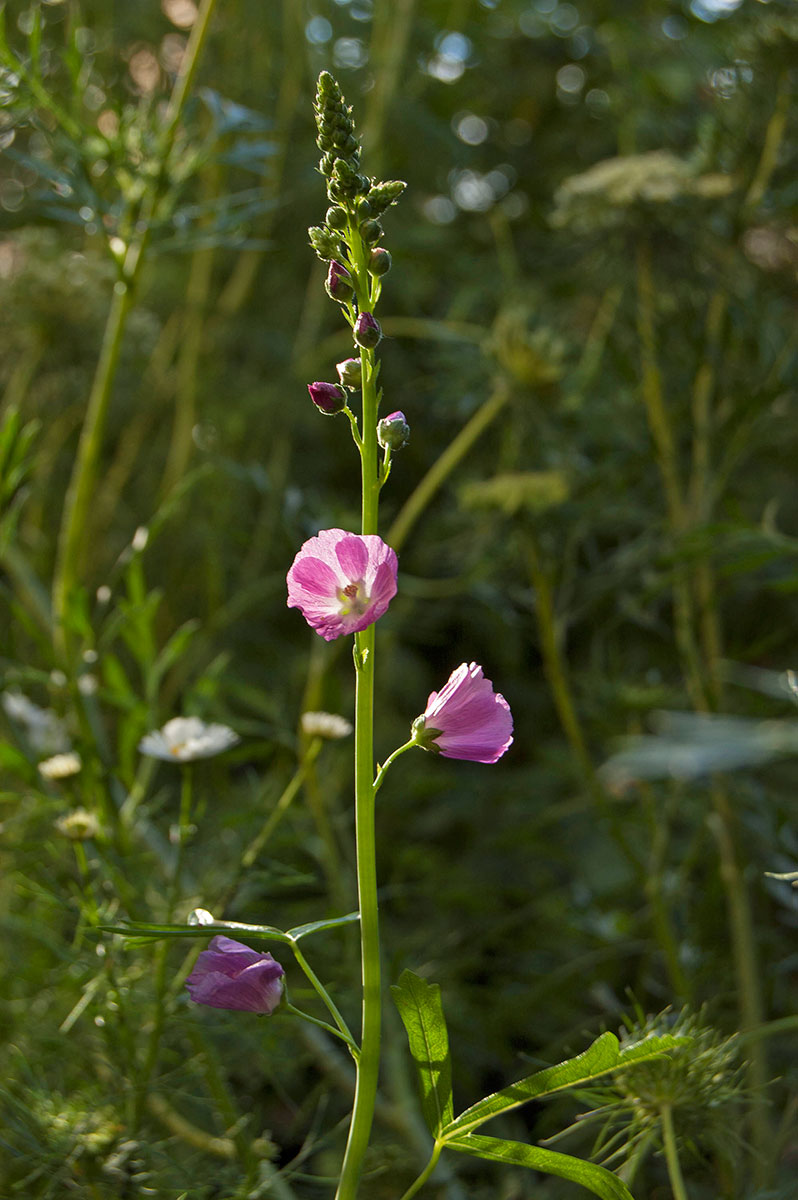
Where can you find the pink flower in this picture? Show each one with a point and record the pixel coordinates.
(466, 719)
(230, 975)
(342, 581)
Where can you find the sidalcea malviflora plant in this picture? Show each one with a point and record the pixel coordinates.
(343, 582)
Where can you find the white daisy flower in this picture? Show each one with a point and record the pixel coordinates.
(60, 766)
(184, 739)
(325, 725)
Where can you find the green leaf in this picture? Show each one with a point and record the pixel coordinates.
(143, 931)
(599, 1058)
(300, 931)
(420, 1008)
(596, 1179)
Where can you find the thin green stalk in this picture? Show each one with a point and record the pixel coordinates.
(390, 760)
(417, 1185)
(77, 503)
(332, 1007)
(297, 1012)
(159, 1008)
(368, 1065)
(671, 1154)
(281, 807)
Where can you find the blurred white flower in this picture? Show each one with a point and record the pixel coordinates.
(325, 725)
(78, 825)
(60, 766)
(184, 739)
(43, 729)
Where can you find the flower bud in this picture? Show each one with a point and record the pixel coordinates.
(371, 232)
(339, 282)
(367, 331)
(329, 398)
(363, 209)
(379, 261)
(349, 373)
(326, 243)
(393, 431)
(336, 218)
(382, 195)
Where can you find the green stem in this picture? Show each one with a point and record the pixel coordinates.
(369, 1062)
(281, 807)
(159, 1013)
(425, 1174)
(297, 1012)
(671, 1154)
(332, 1007)
(381, 773)
(82, 485)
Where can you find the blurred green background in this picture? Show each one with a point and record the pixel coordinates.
(590, 327)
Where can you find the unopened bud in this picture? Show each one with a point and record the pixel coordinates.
(336, 218)
(324, 241)
(379, 261)
(393, 431)
(371, 232)
(349, 373)
(339, 282)
(329, 398)
(367, 331)
(363, 209)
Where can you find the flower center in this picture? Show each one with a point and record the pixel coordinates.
(354, 599)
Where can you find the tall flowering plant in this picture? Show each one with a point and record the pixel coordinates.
(342, 582)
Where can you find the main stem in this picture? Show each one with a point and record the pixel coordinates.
(369, 1061)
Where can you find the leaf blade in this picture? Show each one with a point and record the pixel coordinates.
(596, 1179)
(420, 1007)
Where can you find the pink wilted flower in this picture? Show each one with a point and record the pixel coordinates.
(466, 719)
(342, 581)
(230, 975)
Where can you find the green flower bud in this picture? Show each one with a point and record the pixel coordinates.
(371, 232)
(336, 218)
(379, 261)
(393, 431)
(363, 209)
(324, 241)
(367, 332)
(382, 195)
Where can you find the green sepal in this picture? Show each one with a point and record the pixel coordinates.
(421, 1010)
(596, 1179)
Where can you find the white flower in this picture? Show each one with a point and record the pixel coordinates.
(78, 825)
(44, 730)
(185, 738)
(60, 766)
(325, 725)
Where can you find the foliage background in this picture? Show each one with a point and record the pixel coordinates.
(541, 895)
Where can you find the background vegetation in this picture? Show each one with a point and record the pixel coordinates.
(590, 326)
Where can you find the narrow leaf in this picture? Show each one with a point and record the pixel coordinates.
(596, 1179)
(300, 931)
(599, 1058)
(141, 929)
(421, 1010)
